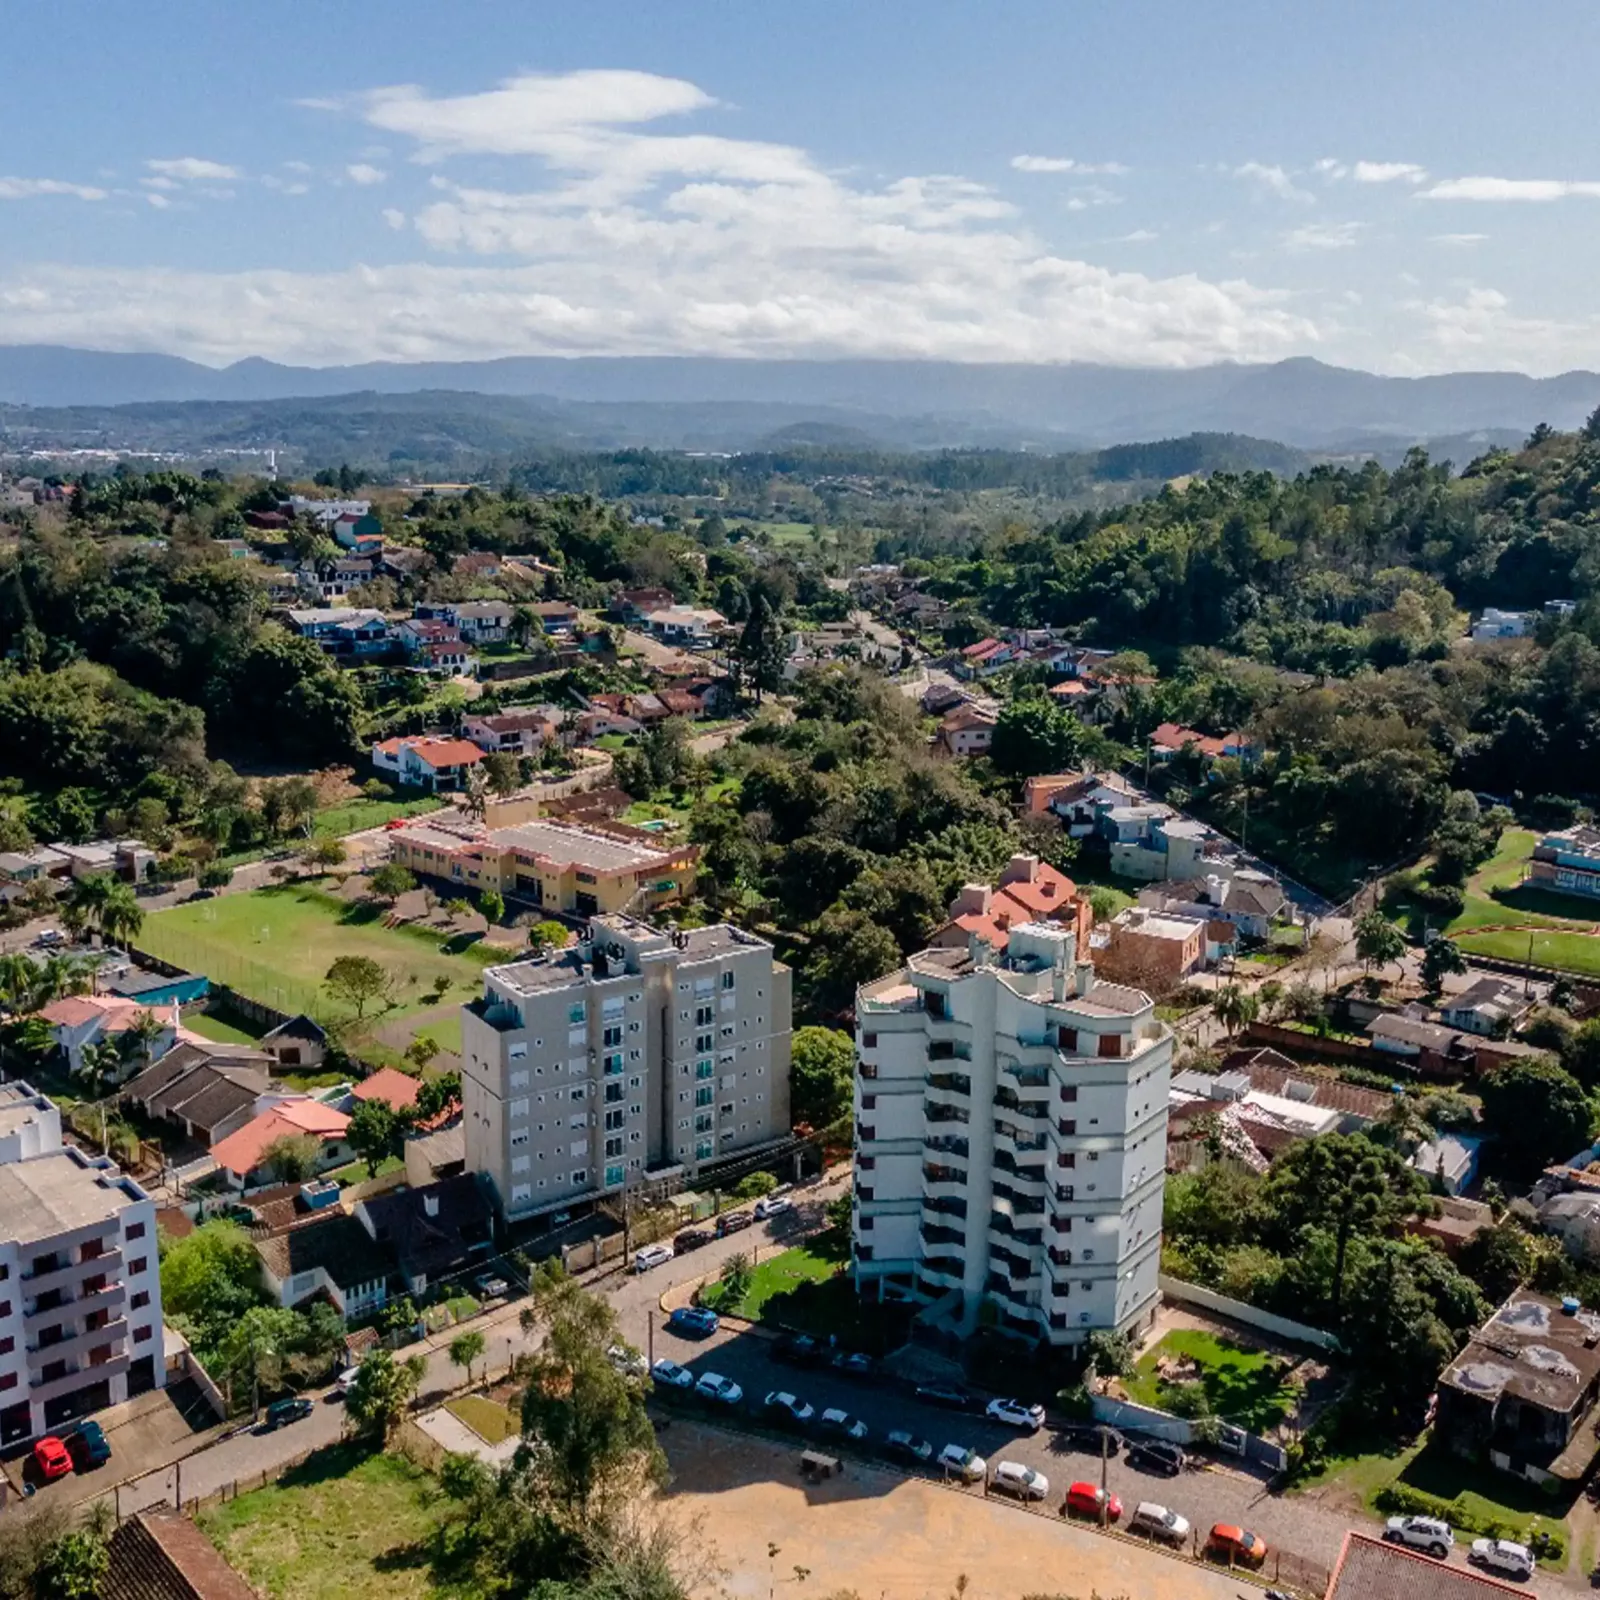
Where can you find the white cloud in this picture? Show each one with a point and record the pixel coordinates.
(1330, 168)
(1481, 328)
(159, 201)
(164, 184)
(1524, 189)
(363, 173)
(1458, 238)
(1092, 195)
(1273, 180)
(285, 185)
(191, 169)
(33, 188)
(1110, 169)
(1323, 236)
(1389, 172)
(1138, 236)
(396, 219)
(302, 167)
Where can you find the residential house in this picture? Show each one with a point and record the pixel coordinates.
(1154, 951)
(518, 733)
(329, 1255)
(80, 1020)
(1151, 841)
(1077, 799)
(1450, 1161)
(1425, 1047)
(714, 694)
(206, 1090)
(484, 621)
(1172, 739)
(1568, 861)
(361, 533)
(1371, 1568)
(325, 512)
(682, 703)
(344, 632)
(1487, 1007)
(985, 658)
(967, 731)
(435, 1153)
(1497, 624)
(438, 1233)
(397, 1090)
(401, 561)
(243, 1155)
(558, 618)
(298, 1045)
(162, 1555)
(437, 764)
(1523, 1390)
(693, 627)
(940, 697)
(129, 859)
(476, 564)
(1080, 696)
(1241, 896)
(634, 605)
(1028, 890)
(37, 865)
(1454, 1224)
(452, 658)
(417, 633)
(1575, 1220)
(646, 709)
(606, 713)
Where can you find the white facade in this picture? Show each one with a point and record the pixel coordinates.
(80, 1285)
(1011, 1138)
(1497, 624)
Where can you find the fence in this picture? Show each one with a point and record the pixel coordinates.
(1252, 1316)
(1311, 1043)
(257, 990)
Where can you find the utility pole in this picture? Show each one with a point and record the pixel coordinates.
(650, 1337)
(1105, 1496)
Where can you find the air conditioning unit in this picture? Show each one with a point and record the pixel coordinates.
(1083, 1316)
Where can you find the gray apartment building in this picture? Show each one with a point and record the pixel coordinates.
(638, 1054)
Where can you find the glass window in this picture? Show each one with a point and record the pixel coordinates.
(578, 1013)
(613, 1176)
(704, 1095)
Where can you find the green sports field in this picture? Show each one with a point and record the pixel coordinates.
(1561, 927)
(276, 945)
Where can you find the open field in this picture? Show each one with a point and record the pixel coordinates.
(487, 1418)
(344, 1526)
(276, 945)
(1243, 1386)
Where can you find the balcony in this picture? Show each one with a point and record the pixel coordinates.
(500, 1015)
(939, 1233)
(1036, 1110)
(951, 1082)
(78, 1346)
(947, 1144)
(1026, 1188)
(70, 1278)
(1024, 1084)
(43, 1389)
(1015, 1143)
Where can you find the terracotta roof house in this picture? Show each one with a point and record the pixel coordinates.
(437, 1232)
(242, 1155)
(162, 1555)
(1028, 890)
(397, 1090)
(967, 731)
(1370, 1568)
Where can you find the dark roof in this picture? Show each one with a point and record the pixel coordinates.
(433, 1245)
(1271, 1073)
(204, 1085)
(160, 1555)
(1369, 1569)
(301, 1027)
(338, 1244)
(1486, 991)
(1532, 1349)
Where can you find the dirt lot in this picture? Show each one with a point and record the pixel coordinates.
(882, 1536)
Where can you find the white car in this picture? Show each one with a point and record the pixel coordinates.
(1421, 1533)
(671, 1376)
(346, 1380)
(627, 1361)
(653, 1255)
(1011, 1477)
(1503, 1555)
(713, 1386)
(1158, 1522)
(773, 1205)
(841, 1424)
(966, 1464)
(1014, 1413)
(790, 1407)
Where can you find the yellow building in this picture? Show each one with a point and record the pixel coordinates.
(577, 870)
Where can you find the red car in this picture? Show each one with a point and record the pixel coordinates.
(1088, 1500)
(52, 1459)
(393, 823)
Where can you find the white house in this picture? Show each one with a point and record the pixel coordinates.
(1497, 624)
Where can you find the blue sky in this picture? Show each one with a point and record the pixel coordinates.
(1407, 187)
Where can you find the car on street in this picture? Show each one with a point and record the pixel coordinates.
(734, 1222)
(394, 824)
(694, 1322)
(671, 1376)
(1231, 1543)
(1092, 1438)
(720, 1391)
(1156, 1521)
(51, 1458)
(1011, 1477)
(691, 1239)
(908, 1447)
(853, 1363)
(1502, 1555)
(49, 939)
(966, 1464)
(1086, 1499)
(1015, 1414)
(491, 1286)
(841, 1424)
(628, 1361)
(790, 1408)
(87, 1445)
(949, 1395)
(798, 1350)
(282, 1412)
(1156, 1455)
(345, 1382)
(1429, 1534)
(653, 1255)
(772, 1205)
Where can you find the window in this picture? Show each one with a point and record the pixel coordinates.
(704, 1069)
(1069, 1093)
(704, 1149)
(704, 1014)
(869, 1041)
(138, 1266)
(581, 1175)
(612, 1036)
(578, 1013)
(519, 1080)
(704, 1095)
(727, 980)
(869, 1102)
(519, 1107)
(520, 1192)
(614, 1120)
(613, 1064)
(517, 1052)
(580, 1093)
(635, 1111)
(614, 1176)
(1110, 1044)
(704, 1041)
(8, 1344)
(134, 1230)
(8, 1380)
(1067, 1039)
(519, 1163)
(704, 1122)
(614, 1146)
(143, 1335)
(614, 1093)
(579, 1147)
(520, 1138)
(636, 1083)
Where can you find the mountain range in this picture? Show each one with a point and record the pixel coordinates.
(1302, 402)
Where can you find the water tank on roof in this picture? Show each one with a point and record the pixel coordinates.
(320, 1195)
(1570, 1304)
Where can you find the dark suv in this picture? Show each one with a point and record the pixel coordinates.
(1155, 1455)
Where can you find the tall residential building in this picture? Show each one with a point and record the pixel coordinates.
(80, 1288)
(636, 1054)
(1011, 1138)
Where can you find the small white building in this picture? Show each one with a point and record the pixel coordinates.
(1497, 624)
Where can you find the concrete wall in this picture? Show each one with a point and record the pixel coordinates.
(1237, 1311)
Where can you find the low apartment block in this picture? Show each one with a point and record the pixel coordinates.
(80, 1290)
(638, 1055)
(1011, 1139)
(1568, 862)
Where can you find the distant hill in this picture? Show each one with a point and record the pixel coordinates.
(923, 405)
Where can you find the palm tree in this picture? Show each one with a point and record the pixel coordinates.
(63, 975)
(143, 1032)
(121, 916)
(475, 796)
(18, 976)
(1235, 1009)
(87, 901)
(99, 1066)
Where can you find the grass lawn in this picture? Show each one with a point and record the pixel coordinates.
(1245, 1387)
(276, 945)
(613, 742)
(225, 1027)
(356, 816)
(445, 1032)
(778, 1275)
(345, 1525)
(356, 1171)
(487, 1418)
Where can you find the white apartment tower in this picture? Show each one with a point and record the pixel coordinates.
(80, 1285)
(1011, 1138)
(636, 1054)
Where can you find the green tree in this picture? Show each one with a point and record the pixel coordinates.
(214, 875)
(753, 1185)
(1035, 736)
(1440, 957)
(381, 1391)
(848, 950)
(821, 1076)
(502, 774)
(1580, 1053)
(294, 1158)
(375, 1133)
(390, 881)
(422, 1050)
(357, 980)
(256, 1351)
(762, 648)
(547, 935)
(1537, 1111)
(323, 853)
(466, 1348)
(492, 904)
(737, 1276)
(99, 1066)
(74, 1567)
(438, 1095)
(1235, 1008)
(1378, 940)
(1498, 1259)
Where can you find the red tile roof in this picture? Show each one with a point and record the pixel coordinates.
(241, 1151)
(982, 647)
(447, 752)
(395, 1089)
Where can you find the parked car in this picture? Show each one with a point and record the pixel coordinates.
(653, 1255)
(694, 1322)
(948, 1395)
(1093, 1438)
(1090, 1500)
(691, 1239)
(1011, 1477)
(1156, 1455)
(88, 1446)
(786, 1407)
(49, 938)
(282, 1412)
(966, 1464)
(908, 1447)
(853, 1363)
(491, 1286)
(345, 1382)
(1157, 1522)
(51, 1458)
(1431, 1534)
(671, 1376)
(841, 1424)
(1503, 1555)
(1229, 1542)
(1015, 1414)
(772, 1205)
(722, 1391)
(734, 1222)
(628, 1361)
(798, 1349)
